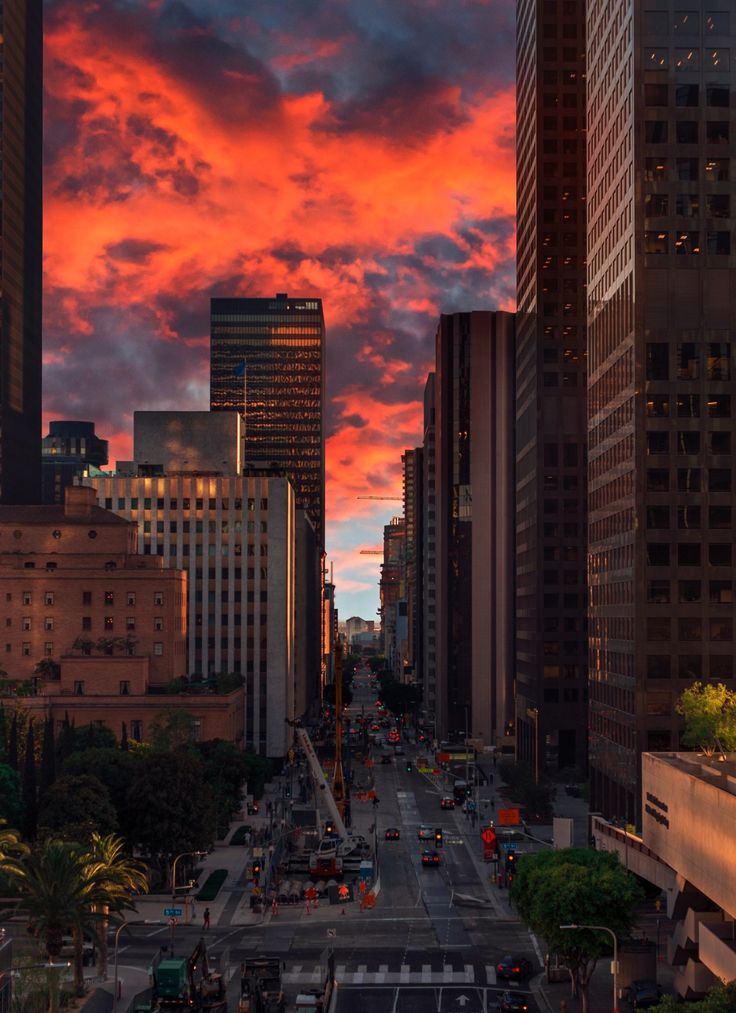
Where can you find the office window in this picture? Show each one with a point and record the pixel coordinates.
(719, 406)
(158, 622)
(655, 131)
(158, 597)
(655, 169)
(688, 554)
(26, 649)
(688, 517)
(720, 553)
(716, 170)
(27, 598)
(25, 623)
(86, 622)
(688, 479)
(658, 554)
(720, 592)
(109, 597)
(658, 592)
(719, 517)
(658, 517)
(721, 629)
(658, 442)
(655, 95)
(690, 666)
(657, 361)
(690, 629)
(719, 479)
(717, 59)
(79, 687)
(687, 205)
(686, 169)
(717, 23)
(686, 60)
(158, 648)
(686, 131)
(686, 95)
(658, 629)
(658, 479)
(658, 406)
(685, 23)
(717, 96)
(689, 591)
(109, 623)
(48, 623)
(687, 242)
(717, 205)
(717, 132)
(48, 598)
(655, 58)
(48, 649)
(124, 687)
(718, 243)
(688, 442)
(658, 666)
(656, 242)
(721, 666)
(719, 443)
(656, 205)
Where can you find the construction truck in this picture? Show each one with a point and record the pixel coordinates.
(261, 990)
(187, 983)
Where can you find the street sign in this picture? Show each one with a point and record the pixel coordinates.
(331, 933)
(509, 817)
(172, 912)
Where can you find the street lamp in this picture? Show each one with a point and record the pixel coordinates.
(119, 929)
(614, 965)
(187, 898)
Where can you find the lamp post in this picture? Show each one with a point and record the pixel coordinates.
(187, 899)
(119, 929)
(614, 965)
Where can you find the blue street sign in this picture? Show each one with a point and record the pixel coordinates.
(172, 912)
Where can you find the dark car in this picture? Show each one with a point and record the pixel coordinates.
(514, 1002)
(430, 859)
(644, 994)
(447, 802)
(513, 968)
(393, 834)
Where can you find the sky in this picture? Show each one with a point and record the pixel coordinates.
(361, 151)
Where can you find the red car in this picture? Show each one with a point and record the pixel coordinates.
(430, 859)
(447, 802)
(393, 834)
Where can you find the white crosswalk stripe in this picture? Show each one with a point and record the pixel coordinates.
(490, 974)
(403, 974)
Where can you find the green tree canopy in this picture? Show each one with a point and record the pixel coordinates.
(91, 737)
(576, 886)
(172, 728)
(710, 717)
(173, 805)
(74, 807)
(115, 768)
(399, 697)
(721, 999)
(11, 800)
(225, 769)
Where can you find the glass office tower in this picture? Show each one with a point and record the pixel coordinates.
(267, 358)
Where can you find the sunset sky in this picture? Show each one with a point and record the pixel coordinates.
(357, 150)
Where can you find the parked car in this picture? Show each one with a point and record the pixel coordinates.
(425, 833)
(430, 859)
(644, 994)
(513, 968)
(447, 802)
(514, 1002)
(393, 834)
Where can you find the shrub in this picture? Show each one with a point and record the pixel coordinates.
(212, 885)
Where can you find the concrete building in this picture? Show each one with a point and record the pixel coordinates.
(239, 538)
(686, 848)
(551, 521)
(92, 629)
(392, 594)
(413, 461)
(474, 515)
(69, 449)
(662, 394)
(429, 557)
(21, 50)
(267, 359)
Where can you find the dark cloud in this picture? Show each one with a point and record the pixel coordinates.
(356, 421)
(136, 251)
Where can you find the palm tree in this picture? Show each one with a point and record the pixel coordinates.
(57, 884)
(115, 876)
(12, 849)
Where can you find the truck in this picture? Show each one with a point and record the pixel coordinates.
(261, 990)
(181, 983)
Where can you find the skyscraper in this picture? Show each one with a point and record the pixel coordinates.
(267, 358)
(20, 252)
(69, 449)
(551, 585)
(474, 500)
(662, 305)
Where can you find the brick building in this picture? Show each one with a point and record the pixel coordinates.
(93, 629)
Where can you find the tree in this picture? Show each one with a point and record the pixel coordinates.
(225, 770)
(74, 807)
(171, 728)
(173, 805)
(575, 886)
(12, 850)
(720, 999)
(93, 737)
(116, 770)
(48, 757)
(124, 739)
(117, 876)
(11, 797)
(13, 742)
(710, 717)
(30, 787)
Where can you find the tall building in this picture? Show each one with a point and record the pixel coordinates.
(20, 252)
(429, 557)
(413, 461)
(551, 514)
(392, 593)
(662, 305)
(69, 449)
(252, 575)
(267, 359)
(474, 504)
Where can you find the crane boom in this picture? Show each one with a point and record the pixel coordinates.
(319, 779)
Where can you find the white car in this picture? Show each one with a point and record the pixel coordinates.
(425, 833)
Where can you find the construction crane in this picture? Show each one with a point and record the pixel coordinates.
(371, 552)
(396, 499)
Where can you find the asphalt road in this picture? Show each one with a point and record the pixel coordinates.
(420, 950)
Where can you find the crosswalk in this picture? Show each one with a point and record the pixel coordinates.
(402, 974)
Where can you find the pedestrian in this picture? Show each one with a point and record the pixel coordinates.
(493, 802)
(206, 918)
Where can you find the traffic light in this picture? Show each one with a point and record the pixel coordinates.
(438, 837)
(329, 829)
(256, 868)
(510, 866)
(409, 766)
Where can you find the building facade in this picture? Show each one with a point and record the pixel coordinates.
(392, 594)
(429, 558)
(20, 252)
(267, 360)
(662, 305)
(69, 449)
(551, 580)
(474, 387)
(413, 461)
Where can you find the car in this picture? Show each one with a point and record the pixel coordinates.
(393, 834)
(514, 1002)
(375, 727)
(425, 833)
(430, 859)
(447, 802)
(513, 968)
(644, 994)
